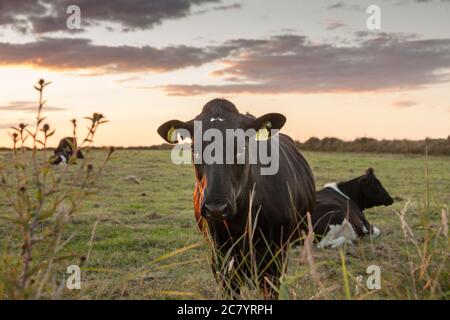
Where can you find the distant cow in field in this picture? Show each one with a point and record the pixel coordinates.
(338, 215)
(223, 198)
(65, 150)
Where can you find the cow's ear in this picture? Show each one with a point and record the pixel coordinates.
(368, 177)
(170, 130)
(267, 122)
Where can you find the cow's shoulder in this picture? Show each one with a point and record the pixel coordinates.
(330, 196)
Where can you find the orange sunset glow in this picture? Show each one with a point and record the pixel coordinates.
(314, 61)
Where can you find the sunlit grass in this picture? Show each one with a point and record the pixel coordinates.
(140, 223)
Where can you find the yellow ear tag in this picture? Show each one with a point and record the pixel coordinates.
(262, 134)
(170, 134)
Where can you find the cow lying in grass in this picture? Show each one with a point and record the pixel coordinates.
(338, 215)
(65, 150)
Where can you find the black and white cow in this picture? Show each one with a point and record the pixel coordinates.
(338, 214)
(65, 151)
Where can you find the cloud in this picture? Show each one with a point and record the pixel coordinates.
(232, 6)
(14, 13)
(404, 103)
(41, 16)
(343, 5)
(82, 54)
(128, 79)
(27, 106)
(333, 24)
(286, 63)
(337, 5)
(293, 64)
(6, 125)
(228, 7)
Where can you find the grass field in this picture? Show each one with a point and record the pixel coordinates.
(144, 243)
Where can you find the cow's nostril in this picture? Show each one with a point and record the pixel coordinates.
(216, 208)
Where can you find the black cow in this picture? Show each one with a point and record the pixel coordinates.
(338, 215)
(65, 150)
(222, 199)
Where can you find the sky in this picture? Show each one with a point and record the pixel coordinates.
(142, 62)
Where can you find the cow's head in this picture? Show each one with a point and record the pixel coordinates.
(372, 191)
(224, 183)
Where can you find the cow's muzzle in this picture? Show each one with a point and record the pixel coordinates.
(217, 210)
(389, 201)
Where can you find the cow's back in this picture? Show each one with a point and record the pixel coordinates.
(286, 197)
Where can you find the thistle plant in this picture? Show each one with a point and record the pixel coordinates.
(39, 202)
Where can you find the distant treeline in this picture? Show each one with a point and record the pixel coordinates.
(434, 146)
